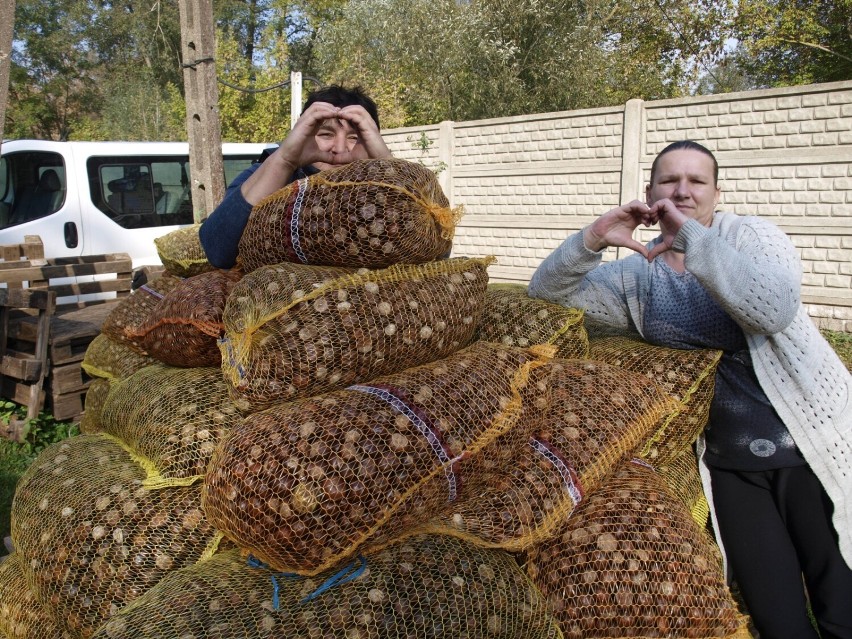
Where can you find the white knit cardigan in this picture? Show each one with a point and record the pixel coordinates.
(750, 268)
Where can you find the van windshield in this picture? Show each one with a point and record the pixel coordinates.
(148, 191)
(32, 185)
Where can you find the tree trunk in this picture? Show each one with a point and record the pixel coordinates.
(7, 29)
(198, 51)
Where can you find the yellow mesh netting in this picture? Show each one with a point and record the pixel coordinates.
(631, 562)
(92, 538)
(435, 587)
(371, 213)
(596, 415)
(290, 331)
(172, 416)
(687, 375)
(682, 477)
(303, 485)
(181, 252)
(512, 318)
(21, 616)
(96, 396)
(106, 360)
(112, 359)
(183, 328)
(133, 311)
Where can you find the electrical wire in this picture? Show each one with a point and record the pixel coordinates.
(278, 85)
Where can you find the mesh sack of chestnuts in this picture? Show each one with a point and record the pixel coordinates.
(111, 359)
(172, 416)
(293, 331)
(430, 586)
(92, 538)
(596, 416)
(93, 404)
(687, 375)
(304, 485)
(683, 479)
(133, 311)
(370, 213)
(183, 328)
(181, 252)
(106, 360)
(21, 616)
(631, 562)
(513, 318)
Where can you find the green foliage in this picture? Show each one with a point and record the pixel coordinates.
(15, 457)
(842, 345)
(40, 432)
(423, 144)
(796, 41)
(113, 71)
(491, 58)
(94, 71)
(248, 116)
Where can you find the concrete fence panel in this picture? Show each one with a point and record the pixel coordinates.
(526, 182)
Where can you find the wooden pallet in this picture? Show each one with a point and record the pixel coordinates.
(73, 325)
(22, 372)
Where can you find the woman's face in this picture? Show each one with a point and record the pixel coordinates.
(685, 176)
(338, 137)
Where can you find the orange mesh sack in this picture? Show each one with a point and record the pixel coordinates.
(596, 416)
(182, 329)
(292, 332)
(304, 485)
(687, 375)
(172, 416)
(370, 213)
(181, 252)
(631, 562)
(133, 311)
(435, 587)
(92, 538)
(21, 616)
(513, 318)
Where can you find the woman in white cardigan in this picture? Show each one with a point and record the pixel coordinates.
(776, 456)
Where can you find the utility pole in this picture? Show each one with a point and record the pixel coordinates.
(295, 97)
(198, 51)
(7, 31)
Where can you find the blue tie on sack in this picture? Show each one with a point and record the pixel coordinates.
(350, 572)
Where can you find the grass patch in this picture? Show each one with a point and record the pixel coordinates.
(842, 345)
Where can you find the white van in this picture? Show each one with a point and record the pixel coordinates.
(87, 198)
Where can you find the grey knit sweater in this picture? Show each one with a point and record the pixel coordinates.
(750, 267)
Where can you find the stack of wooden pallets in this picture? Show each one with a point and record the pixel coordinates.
(48, 354)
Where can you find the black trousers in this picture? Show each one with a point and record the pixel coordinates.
(776, 529)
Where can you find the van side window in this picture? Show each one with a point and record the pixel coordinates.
(141, 192)
(32, 186)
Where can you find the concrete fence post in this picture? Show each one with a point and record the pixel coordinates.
(631, 145)
(446, 148)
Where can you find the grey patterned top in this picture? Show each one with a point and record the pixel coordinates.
(744, 431)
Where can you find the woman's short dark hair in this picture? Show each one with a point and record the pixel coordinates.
(687, 145)
(341, 96)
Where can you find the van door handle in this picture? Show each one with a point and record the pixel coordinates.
(71, 239)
